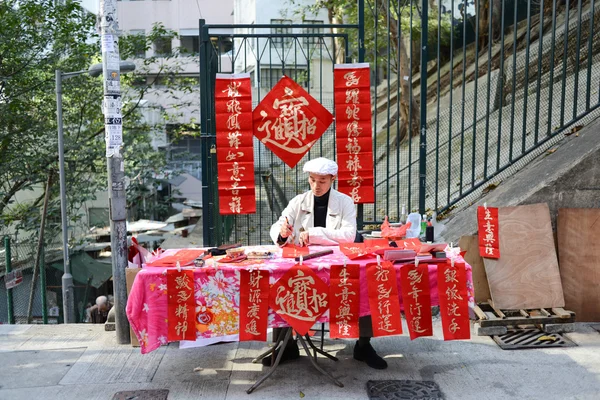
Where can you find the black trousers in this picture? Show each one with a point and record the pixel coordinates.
(365, 328)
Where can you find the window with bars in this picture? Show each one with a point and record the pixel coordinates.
(270, 76)
(139, 42)
(313, 41)
(191, 44)
(163, 47)
(280, 41)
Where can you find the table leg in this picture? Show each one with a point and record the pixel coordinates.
(259, 382)
(317, 350)
(314, 363)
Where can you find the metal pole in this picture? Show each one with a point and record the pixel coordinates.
(67, 278)
(360, 212)
(115, 165)
(9, 299)
(423, 138)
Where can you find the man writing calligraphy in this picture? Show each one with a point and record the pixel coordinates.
(322, 216)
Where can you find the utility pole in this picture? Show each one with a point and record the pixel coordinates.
(116, 169)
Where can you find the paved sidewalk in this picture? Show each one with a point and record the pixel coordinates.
(84, 362)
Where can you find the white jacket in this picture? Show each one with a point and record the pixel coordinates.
(340, 224)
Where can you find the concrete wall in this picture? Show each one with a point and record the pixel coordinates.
(566, 178)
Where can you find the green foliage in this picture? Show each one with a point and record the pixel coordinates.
(36, 38)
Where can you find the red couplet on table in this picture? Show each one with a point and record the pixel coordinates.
(185, 257)
(383, 299)
(489, 241)
(181, 305)
(254, 305)
(300, 297)
(344, 294)
(414, 282)
(454, 303)
(293, 251)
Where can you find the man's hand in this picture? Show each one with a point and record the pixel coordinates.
(285, 230)
(304, 239)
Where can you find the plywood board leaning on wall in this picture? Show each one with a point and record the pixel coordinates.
(526, 275)
(470, 244)
(577, 231)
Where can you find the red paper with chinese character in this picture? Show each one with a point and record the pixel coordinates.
(344, 297)
(235, 152)
(383, 299)
(254, 305)
(300, 298)
(489, 239)
(185, 257)
(293, 251)
(289, 121)
(454, 307)
(415, 298)
(181, 306)
(409, 244)
(353, 131)
(354, 250)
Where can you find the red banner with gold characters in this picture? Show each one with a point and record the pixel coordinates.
(344, 295)
(300, 297)
(489, 241)
(352, 91)
(414, 282)
(289, 121)
(181, 305)
(254, 305)
(235, 151)
(383, 299)
(454, 306)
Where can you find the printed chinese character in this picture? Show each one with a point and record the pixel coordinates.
(352, 96)
(353, 129)
(182, 281)
(352, 112)
(183, 296)
(181, 311)
(181, 328)
(452, 293)
(351, 78)
(234, 139)
(233, 89)
(236, 204)
(233, 106)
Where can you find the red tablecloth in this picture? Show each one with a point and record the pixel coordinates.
(217, 294)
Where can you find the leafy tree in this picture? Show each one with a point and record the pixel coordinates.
(36, 38)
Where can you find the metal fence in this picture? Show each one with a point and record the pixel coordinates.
(24, 303)
(464, 94)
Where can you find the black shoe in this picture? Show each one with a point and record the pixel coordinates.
(291, 352)
(368, 354)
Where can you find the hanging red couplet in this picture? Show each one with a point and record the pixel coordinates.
(344, 294)
(254, 305)
(300, 297)
(383, 299)
(181, 305)
(454, 306)
(352, 91)
(489, 241)
(289, 121)
(235, 151)
(414, 282)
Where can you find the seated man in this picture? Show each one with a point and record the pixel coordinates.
(98, 314)
(322, 216)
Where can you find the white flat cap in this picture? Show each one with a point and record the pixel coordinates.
(321, 166)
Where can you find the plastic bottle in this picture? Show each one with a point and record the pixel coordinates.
(423, 224)
(403, 215)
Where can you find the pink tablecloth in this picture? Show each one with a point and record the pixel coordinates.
(217, 293)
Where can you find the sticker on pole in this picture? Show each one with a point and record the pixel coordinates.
(108, 44)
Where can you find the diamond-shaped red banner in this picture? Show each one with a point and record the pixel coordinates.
(289, 121)
(300, 297)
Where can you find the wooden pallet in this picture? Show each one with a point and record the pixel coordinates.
(490, 316)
